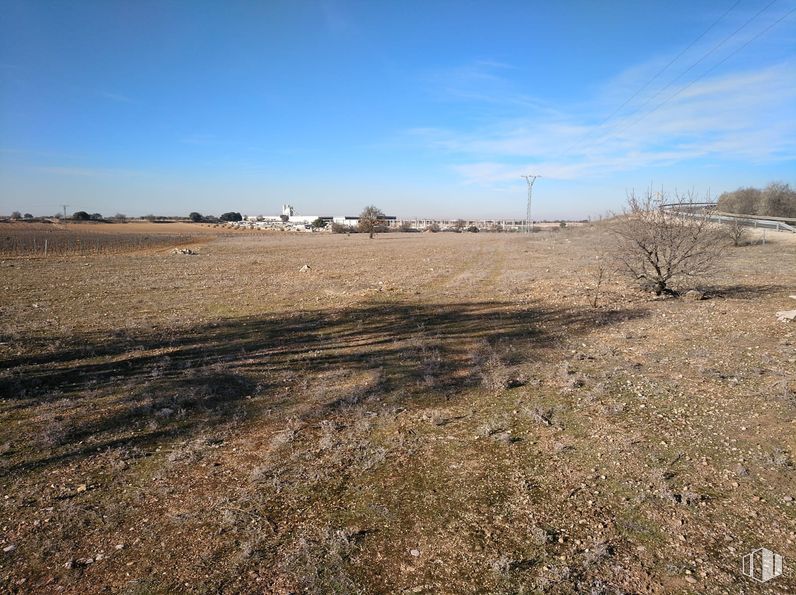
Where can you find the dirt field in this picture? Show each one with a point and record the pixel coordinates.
(418, 413)
(69, 238)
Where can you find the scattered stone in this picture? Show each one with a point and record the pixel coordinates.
(187, 251)
(9, 548)
(786, 315)
(688, 498)
(541, 536)
(81, 488)
(560, 447)
(788, 498)
(415, 553)
(5, 448)
(305, 268)
(516, 381)
(690, 579)
(505, 437)
(694, 295)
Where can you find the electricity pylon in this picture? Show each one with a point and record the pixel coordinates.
(528, 221)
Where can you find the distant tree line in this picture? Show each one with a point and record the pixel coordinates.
(84, 216)
(775, 200)
(230, 216)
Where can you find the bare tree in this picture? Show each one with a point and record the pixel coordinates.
(659, 242)
(369, 220)
(736, 232)
(599, 277)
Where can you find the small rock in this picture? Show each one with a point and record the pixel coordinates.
(788, 498)
(694, 295)
(786, 315)
(304, 269)
(516, 381)
(81, 488)
(541, 535)
(9, 548)
(415, 553)
(690, 579)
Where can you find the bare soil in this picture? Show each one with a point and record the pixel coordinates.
(421, 413)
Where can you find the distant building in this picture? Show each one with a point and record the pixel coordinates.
(388, 220)
(288, 220)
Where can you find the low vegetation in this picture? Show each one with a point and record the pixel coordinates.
(775, 200)
(426, 413)
(658, 247)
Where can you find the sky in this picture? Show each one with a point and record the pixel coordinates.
(429, 108)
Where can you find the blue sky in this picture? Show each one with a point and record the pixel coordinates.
(431, 108)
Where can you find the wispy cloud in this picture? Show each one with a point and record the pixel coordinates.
(482, 81)
(745, 115)
(116, 97)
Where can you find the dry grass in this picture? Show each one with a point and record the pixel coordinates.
(417, 413)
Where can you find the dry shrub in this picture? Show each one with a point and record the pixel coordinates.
(489, 368)
(660, 242)
(318, 562)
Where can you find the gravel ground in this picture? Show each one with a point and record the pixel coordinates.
(422, 413)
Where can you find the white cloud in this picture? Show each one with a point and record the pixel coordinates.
(742, 115)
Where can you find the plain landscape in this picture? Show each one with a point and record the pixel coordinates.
(417, 413)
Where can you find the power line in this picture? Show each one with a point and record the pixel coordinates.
(704, 56)
(654, 77)
(665, 68)
(709, 70)
(689, 69)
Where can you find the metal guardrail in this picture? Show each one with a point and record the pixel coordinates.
(788, 220)
(748, 221)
